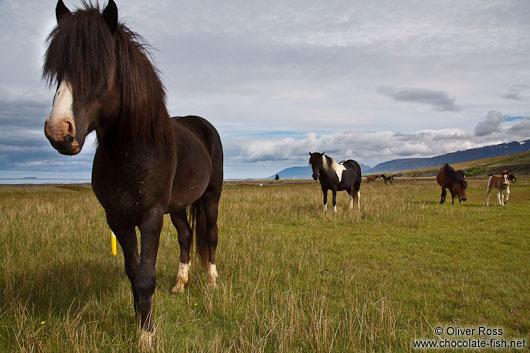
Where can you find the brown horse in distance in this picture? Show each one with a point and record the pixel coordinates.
(371, 178)
(454, 180)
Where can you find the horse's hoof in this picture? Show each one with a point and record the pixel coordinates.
(178, 289)
(145, 340)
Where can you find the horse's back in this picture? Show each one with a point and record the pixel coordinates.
(194, 129)
(353, 167)
(204, 131)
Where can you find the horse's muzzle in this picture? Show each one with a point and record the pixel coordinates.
(463, 199)
(68, 146)
(315, 176)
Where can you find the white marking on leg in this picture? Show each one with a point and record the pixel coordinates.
(488, 199)
(499, 197)
(359, 199)
(507, 193)
(145, 340)
(212, 275)
(325, 207)
(351, 202)
(335, 208)
(182, 278)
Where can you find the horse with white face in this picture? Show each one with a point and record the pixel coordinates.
(502, 184)
(334, 176)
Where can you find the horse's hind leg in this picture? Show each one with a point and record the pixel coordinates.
(180, 222)
(351, 193)
(211, 205)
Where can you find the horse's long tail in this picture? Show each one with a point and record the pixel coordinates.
(198, 224)
(489, 183)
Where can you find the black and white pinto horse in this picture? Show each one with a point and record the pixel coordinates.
(334, 176)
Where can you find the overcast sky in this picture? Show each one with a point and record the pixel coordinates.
(368, 80)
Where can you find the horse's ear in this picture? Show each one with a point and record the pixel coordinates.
(110, 14)
(310, 153)
(61, 12)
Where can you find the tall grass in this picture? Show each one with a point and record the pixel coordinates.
(293, 279)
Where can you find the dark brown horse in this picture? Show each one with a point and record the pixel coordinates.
(146, 163)
(454, 180)
(387, 178)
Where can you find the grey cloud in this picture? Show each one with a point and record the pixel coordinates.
(491, 124)
(23, 147)
(23, 111)
(521, 129)
(439, 100)
(518, 92)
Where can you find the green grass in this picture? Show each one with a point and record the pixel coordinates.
(293, 279)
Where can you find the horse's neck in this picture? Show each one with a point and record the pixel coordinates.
(117, 143)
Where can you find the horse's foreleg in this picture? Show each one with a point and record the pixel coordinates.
(334, 194)
(126, 236)
(325, 192)
(444, 193)
(499, 197)
(452, 196)
(180, 222)
(507, 193)
(145, 277)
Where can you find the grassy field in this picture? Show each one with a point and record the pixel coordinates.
(293, 279)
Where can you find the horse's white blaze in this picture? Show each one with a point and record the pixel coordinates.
(62, 111)
(182, 277)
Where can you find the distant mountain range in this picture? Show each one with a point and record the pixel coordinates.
(503, 149)
(396, 165)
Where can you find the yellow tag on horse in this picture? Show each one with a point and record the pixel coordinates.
(113, 242)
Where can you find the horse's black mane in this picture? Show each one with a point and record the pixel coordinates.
(83, 50)
(455, 175)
